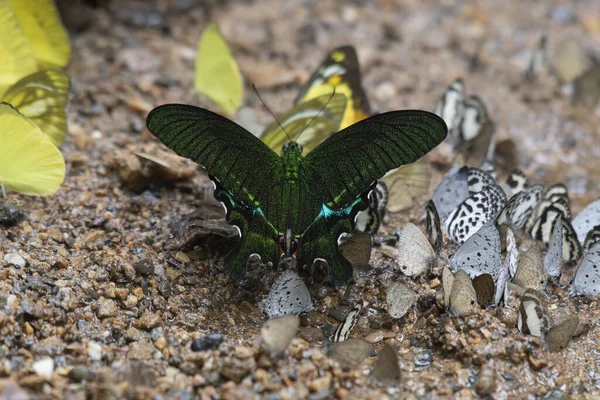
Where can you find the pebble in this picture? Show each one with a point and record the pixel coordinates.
(108, 309)
(94, 351)
(311, 334)
(208, 342)
(44, 368)
(144, 266)
(423, 357)
(10, 214)
(80, 373)
(149, 320)
(320, 384)
(485, 384)
(15, 259)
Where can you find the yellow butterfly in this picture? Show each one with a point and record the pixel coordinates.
(29, 163)
(41, 24)
(18, 59)
(42, 97)
(217, 74)
(309, 123)
(341, 71)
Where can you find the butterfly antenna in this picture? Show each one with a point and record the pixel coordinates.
(271, 112)
(316, 116)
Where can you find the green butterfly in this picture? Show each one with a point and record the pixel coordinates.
(295, 204)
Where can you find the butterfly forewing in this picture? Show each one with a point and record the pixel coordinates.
(377, 145)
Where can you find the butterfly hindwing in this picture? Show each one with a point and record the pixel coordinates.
(311, 122)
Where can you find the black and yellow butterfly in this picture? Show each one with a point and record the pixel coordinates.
(295, 203)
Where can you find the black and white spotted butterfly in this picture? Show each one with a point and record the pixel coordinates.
(475, 212)
(343, 331)
(542, 230)
(586, 220)
(520, 206)
(480, 253)
(587, 277)
(592, 237)
(533, 318)
(433, 225)
(555, 196)
(517, 181)
(479, 180)
(369, 220)
(451, 104)
(452, 191)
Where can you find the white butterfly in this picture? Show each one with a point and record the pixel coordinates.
(587, 277)
(554, 256)
(415, 254)
(588, 218)
(399, 298)
(480, 254)
(288, 295)
(452, 191)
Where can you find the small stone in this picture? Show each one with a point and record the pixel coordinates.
(149, 320)
(10, 214)
(130, 301)
(80, 373)
(485, 384)
(311, 334)
(208, 342)
(160, 343)
(141, 351)
(244, 352)
(236, 369)
(134, 334)
(537, 361)
(182, 257)
(108, 309)
(94, 351)
(144, 267)
(320, 384)
(55, 235)
(44, 368)
(15, 259)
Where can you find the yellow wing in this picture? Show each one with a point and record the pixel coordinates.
(217, 74)
(29, 163)
(55, 80)
(18, 59)
(308, 123)
(44, 108)
(40, 21)
(339, 70)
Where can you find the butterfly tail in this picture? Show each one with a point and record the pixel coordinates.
(253, 240)
(321, 242)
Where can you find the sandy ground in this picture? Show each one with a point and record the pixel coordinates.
(108, 296)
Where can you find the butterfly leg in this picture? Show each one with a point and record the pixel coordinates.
(256, 238)
(321, 241)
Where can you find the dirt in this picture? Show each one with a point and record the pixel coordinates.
(124, 312)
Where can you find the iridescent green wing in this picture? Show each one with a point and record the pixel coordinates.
(238, 160)
(245, 171)
(311, 122)
(346, 165)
